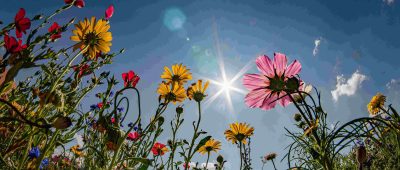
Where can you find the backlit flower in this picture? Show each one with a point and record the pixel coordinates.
(197, 91)
(159, 149)
(92, 37)
(77, 3)
(172, 92)
(12, 45)
(238, 132)
(270, 156)
(75, 149)
(210, 145)
(109, 12)
(55, 29)
(272, 83)
(21, 23)
(178, 74)
(376, 104)
(130, 79)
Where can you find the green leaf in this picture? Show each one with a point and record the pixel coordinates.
(202, 142)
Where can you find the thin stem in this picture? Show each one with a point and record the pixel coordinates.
(196, 128)
(273, 163)
(208, 158)
(241, 159)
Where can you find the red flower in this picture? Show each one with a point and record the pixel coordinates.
(12, 45)
(109, 12)
(159, 149)
(99, 105)
(133, 136)
(112, 120)
(55, 29)
(83, 70)
(21, 23)
(186, 165)
(78, 3)
(130, 79)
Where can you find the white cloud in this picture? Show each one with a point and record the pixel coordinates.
(347, 87)
(389, 2)
(393, 84)
(317, 43)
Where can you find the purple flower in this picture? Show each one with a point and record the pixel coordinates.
(93, 107)
(34, 153)
(111, 94)
(44, 163)
(120, 109)
(130, 124)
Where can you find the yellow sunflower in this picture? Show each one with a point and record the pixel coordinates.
(172, 92)
(376, 103)
(210, 145)
(178, 74)
(238, 132)
(92, 37)
(197, 91)
(75, 149)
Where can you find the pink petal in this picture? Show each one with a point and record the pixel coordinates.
(269, 102)
(280, 62)
(131, 74)
(255, 98)
(255, 81)
(285, 100)
(109, 11)
(293, 69)
(20, 14)
(265, 65)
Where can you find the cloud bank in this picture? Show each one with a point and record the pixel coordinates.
(347, 87)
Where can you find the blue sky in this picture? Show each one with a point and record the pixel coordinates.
(357, 54)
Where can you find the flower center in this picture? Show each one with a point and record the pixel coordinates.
(240, 137)
(175, 78)
(91, 38)
(276, 83)
(170, 96)
(198, 96)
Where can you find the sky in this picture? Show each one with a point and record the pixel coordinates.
(348, 50)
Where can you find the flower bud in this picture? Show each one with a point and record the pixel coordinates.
(297, 117)
(179, 109)
(361, 155)
(62, 122)
(220, 159)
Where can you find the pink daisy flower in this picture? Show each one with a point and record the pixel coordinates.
(267, 87)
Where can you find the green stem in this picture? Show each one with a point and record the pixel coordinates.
(49, 145)
(273, 163)
(196, 128)
(241, 158)
(208, 158)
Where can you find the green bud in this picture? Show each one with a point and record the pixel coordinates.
(62, 122)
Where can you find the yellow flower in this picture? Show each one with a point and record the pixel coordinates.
(92, 37)
(178, 74)
(172, 92)
(376, 103)
(238, 132)
(196, 91)
(75, 149)
(210, 145)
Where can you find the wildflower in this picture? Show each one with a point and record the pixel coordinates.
(55, 29)
(179, 74)
(186, 165)
(92, 37)
(21, 23)
(12, 45)
(269, 87)
(75, 149)
(376, 103)
(133, 136)
(109, 12)
(112, 120)
(77, 3)
(111, 146)
(99, 105)
(159, 149)
(179, 109)
(130, 79)
(34, 152)
(197, 91)
(120, 109)
(45, 162)
(270, 156)
(210, 145)
(174, 92)
(82, 70)
(62, 122)
(93, 107)
(238, 132)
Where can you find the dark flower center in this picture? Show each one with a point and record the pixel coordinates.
(175, 78)
(276, 84)
(240, 137)
(91, 38)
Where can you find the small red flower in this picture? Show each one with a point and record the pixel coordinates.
(99, 105)
(55, 29)
(109, 12)
(130, 79)
(186, 165)
(82, 70)
(159, 149)
(133, 136)
(12, 45)
(112, 120)
(21, 23)
(78, 3)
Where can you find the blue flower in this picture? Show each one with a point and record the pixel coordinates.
(34, 153)
(130, 124)
(111, 94)
(120, 109)
(44, 163)
(93, 107)
(135, 128)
